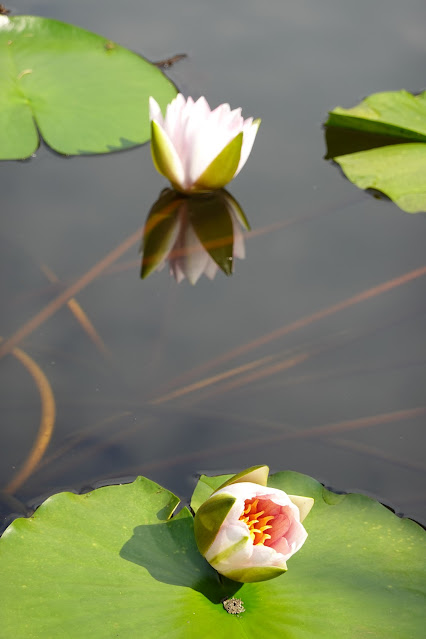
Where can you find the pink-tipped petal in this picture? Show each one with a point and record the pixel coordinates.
(250, 131)
(211, 269)
(193, 258)
(173, 117)
(282, 546)
(239, 246)
(155, 112)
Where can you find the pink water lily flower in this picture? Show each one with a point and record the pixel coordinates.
(198, 149)
(247, 532)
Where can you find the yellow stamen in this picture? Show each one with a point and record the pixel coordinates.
(257, 524)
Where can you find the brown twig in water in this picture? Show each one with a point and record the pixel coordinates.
(210, 380)
(314, 432)
(70, 292)
(79, 438)
(101, 445)
(345, 444)
(79, 314)
(288, 363)
(47, 421)
(169, 62)
(304, 321)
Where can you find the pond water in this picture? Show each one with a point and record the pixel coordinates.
(311, 357)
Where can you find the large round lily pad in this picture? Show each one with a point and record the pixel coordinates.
(112, 563)
(82, 92)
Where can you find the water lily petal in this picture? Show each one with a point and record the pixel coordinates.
(155, 111)
(250, 131)
(222, 169)
(219, 129)
(211, 269)
(239, 246)
(189, 122)
(231, 544)
(177, 272)
(191, 258)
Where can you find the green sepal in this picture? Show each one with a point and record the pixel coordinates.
(228, 552)
(212, 223)
(239, 213)
(254, 474)
(164, 156)
(159, 232)
(223, 168)
(257, 122)
(209, 518)
(304, 505)
(249, 575)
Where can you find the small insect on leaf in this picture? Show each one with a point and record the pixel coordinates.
(233, 606)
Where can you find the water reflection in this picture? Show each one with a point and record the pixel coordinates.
(194, 234)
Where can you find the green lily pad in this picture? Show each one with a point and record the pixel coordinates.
(113, 562)
(82, 92)
(399, 171)
(396, 169)
(109, 562)
(396, 113)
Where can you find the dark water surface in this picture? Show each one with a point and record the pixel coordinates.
(222, 375)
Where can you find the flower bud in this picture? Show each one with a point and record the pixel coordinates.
(248, 531)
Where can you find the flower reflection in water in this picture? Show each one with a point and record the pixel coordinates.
(195, 235)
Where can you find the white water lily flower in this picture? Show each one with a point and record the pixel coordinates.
(198, 149)
(247, 532)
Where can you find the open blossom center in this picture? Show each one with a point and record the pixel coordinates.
(267, 522)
